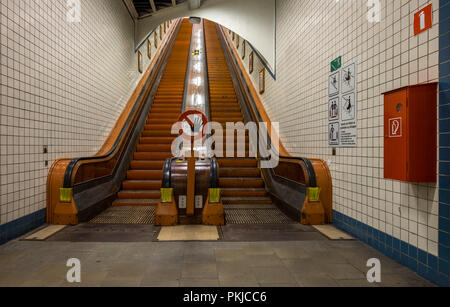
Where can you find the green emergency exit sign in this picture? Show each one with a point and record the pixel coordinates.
(336, 64)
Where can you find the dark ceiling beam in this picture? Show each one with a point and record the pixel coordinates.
(152, 4)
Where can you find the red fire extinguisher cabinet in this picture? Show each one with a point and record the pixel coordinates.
(410, 133)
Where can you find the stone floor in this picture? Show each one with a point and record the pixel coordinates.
(202, 264)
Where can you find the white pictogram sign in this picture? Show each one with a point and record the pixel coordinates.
(343, 107)
(333, 131)
(348, 77)
(333, 84)
(348, 107)
(333, 109)
(198, 202)
(182, 202)
(395, 127)
(422, 20)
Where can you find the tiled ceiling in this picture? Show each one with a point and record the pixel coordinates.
(144, 7)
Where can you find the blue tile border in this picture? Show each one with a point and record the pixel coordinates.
(21, 226)
(441, 264)
(426, 265)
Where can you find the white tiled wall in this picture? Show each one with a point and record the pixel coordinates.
(62, 85)
(310, 34)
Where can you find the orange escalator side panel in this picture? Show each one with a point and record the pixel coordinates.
(213, 213)
(166, 214)
(57, 212)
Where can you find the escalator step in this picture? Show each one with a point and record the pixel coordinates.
(240, 172)
(244, 192)
(136, 185)
(155, 148)
(147, 165)
(139, 194)
(241, 182)
(237, 163)
(152, 156)
(144, 175)
(156, 140)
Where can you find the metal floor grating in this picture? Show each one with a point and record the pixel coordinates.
(256, 216)
(126, 215)
(233, 216)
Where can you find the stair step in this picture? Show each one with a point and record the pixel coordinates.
(237, 163)
(152, 156)
(223, 97)
(154, 148)
(225, 105)
(239, 172)
(142, 185)
(144, 175)
(171, 110)
(216, 113)
(223, 120)
(241, 182)
(158, 127)
(173, 115)
(156, 140)
(147, 165)
(139, 194)
(157, 133)
(161, 121)
(166, 95)
(244, 192)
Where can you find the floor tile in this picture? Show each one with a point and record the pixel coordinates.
(291, 253)
(199, 271)
(273, 275)
(203, 283)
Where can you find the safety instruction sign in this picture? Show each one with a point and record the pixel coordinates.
(342, 107)
(395, 127)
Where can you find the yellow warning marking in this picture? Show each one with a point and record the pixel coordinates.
(46, 232)
(65, 195)
(214, 195)
(166, 195)
(333, 233)
(189, 233)
(314, 194)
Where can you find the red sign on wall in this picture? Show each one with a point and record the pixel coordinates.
(395, 127)
(423, 20)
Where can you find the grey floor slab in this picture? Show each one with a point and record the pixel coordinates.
(235, 272)
(291, 263)
(315, 280)
(239, 284)
(273, 275)
(199, 271)
(202, 283)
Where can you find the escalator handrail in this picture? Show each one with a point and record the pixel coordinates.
(167, 174)
(207, 93)
(71, 167)
(186, 77)
(214, 174)
(251, 103)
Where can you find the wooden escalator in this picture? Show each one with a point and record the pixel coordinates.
(144, 177)
(240, 178)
